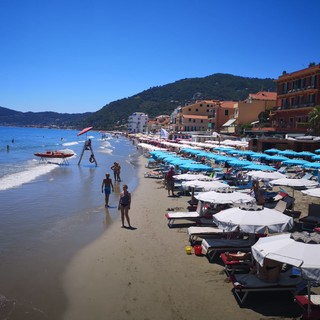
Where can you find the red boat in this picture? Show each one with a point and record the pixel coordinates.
(54, 154)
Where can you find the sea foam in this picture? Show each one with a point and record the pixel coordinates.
(32, 172)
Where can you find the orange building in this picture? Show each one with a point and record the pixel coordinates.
(298, 92)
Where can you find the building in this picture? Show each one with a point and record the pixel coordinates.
(298, 92)
(162, 121)
(137, 122)
(193, 117)
(254, 111)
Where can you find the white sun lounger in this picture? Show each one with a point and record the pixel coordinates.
(199, 232)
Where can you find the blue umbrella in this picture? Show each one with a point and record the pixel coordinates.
(317, 151)
(295, 162)
(239, 163)
(316, 158)
(195, 167)
(290, 153)
(276, 158)
(261, 167)
(272, 151)
(305, 154)
(312, 165)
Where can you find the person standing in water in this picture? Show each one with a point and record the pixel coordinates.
(116, 171)
(124, 205)
(107, 186)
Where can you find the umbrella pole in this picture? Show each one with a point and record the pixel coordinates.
(309, 297)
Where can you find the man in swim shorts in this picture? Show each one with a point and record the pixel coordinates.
(107, 186)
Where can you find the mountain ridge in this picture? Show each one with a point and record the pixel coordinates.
(153, 101)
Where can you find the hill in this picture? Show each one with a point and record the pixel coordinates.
(154, 101)
(163, 99)
(10, 117)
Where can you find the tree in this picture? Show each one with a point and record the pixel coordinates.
(314, 120)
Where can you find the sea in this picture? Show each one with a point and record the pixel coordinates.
(50, 210)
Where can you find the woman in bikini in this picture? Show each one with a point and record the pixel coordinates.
(124, 205)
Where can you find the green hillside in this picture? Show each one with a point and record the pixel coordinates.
(163, 99)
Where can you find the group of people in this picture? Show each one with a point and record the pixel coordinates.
(125, 196)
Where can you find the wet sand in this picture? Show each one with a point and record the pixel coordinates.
(145, 273)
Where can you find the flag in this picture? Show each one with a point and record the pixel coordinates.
(164, 133)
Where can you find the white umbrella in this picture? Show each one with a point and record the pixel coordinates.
(312, 192)
(253, 221)
(285, 249)
(263, 175)
(294, 183)
(205, 185)
(225, 197)
(192, 176)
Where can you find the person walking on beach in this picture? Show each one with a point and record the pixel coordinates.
(124, 205)
(107, 186)
(116, 171)
(170, 181)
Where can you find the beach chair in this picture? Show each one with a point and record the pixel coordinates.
(243, 284)
(197, 233)
(236, 262)
(302, 301)
(312, 220)
(210, 247)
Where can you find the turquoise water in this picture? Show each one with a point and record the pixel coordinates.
(48, 212)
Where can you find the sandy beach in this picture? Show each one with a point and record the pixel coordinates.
(145, 273)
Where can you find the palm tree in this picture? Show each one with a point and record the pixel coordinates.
(314, 120)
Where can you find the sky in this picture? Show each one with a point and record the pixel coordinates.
(75, 56)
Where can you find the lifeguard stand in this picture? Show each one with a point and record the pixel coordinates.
(87, 146)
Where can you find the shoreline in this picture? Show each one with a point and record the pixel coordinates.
(146, 274)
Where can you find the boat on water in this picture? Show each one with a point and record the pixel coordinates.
(54, 154)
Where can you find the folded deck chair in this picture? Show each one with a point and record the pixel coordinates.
(236, 265)
(210, 247)
(199, 232)
(243, 284)
(302, 301)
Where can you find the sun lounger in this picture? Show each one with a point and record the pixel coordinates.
(199, 232)
(190, 216)
(241, 264)
(243, 284)
(210, 247)
(302, 301)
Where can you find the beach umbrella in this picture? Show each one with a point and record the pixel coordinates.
(85, 130)
(239, 163)
(262, 167)
(253, 220)
(224, 197)
(272, 151)
(265, 176)
(294, 183)
(205, 185)
(276, 158)
(293, 250)
(312, 192)
(195, 167)
(305, 154)
(316, 157)
(192, 176)
(289, 153)
(317, 151)
(295, 162)
(312, 165)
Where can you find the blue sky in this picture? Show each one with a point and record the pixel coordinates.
(78, 55)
